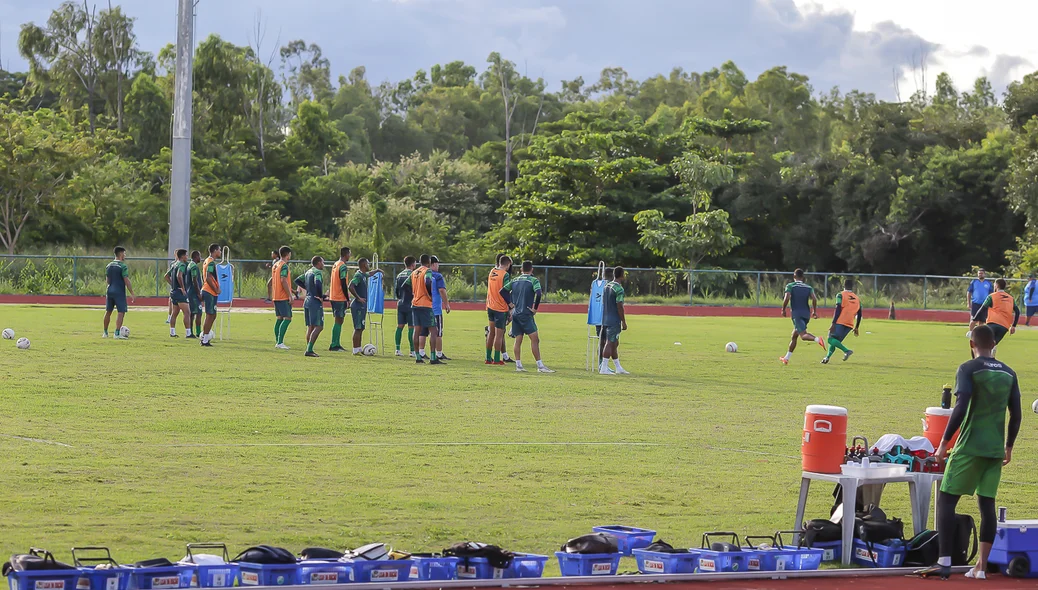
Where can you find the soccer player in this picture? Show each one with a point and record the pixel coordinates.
(359, 307)
(497, 310)
(614, 321)
(274, 258)
(313, 306)
(1031, 298)
(798, 295)
(210, 292)
(976, 294)
(339, 294)
(421, 306)
(997, 309)
(984, 390)
(117, 276)
(178, 294)
(440, 304)
(194, 292)
(846, 318)
(281, 292)
(523, 295)
(404, 297)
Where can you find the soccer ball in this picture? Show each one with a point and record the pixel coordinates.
(1034, 406)
(731, 347)
(8, 334)
(23, 343)
(369, 350)
(124, 332)
(969, 334)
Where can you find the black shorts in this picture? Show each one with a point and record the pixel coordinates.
(974, 308)
(116, 302)
(1031, 310)
(404, 317)
(839, 331)
(999, 331)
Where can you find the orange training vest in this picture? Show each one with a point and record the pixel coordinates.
(1001, 310)
(849, 306)
(279, 289)
(335, 293)
(495, 282)
(205, 278)
(422, 296)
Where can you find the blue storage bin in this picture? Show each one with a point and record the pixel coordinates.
(323, 571)
(527, 565)
(165, 577)
(524, 565)
(433, 567)
(268, 574)
(725, 561)
(1015, 550)
(888, 555)
(222, 575)
(629, 537)
(655, 562)
(88, 558)
(44, 580)
(395, 570)
(775, 559)
(589, 564)
(831, 550)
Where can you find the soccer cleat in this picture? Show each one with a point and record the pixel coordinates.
(488, 363)
(174, 336)
(499, 363)
(818, 339)
(519, 369)
(847, 354)
(311, 354)
(825, 360)
(606, 371)
(104, 335)
(507, 360)
(622, 372)
(783, 360)
(437, 362)
(419, 362)
(413, 355)
(544, 370)
(336, 349)
(398, 353)
(120, 337)
(933, 571)
(282, 346)
(444, 357)
(192, 336)
(167, 319)
(204, 343)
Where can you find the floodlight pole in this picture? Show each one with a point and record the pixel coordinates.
(180, 181)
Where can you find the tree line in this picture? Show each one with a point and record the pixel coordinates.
(688, 169)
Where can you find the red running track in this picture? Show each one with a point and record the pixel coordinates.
(923, 315)
(866, 583)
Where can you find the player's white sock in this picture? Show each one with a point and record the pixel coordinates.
(540, 364)
(356, 350)
(504, 356)
(518, 364)
(616, 363)
(788, 355)
(172, 331)
(189, 332)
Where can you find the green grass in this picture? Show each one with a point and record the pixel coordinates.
(170, 443)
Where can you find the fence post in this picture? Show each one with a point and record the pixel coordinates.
(158, 275)
(474, 279)
(758, 289)
(546, 270)
(75, 288)
(825, 278)
(926, 287)
(691, 282)
(875, 290)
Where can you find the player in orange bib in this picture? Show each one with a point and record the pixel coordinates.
(339, 295)
(210, 292)
(497, 310)
(846, 319)
(281, 292)
(1002, 312)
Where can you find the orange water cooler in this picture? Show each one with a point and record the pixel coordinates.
(935, 421)
(825, 439)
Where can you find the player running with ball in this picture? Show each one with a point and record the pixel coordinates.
(800, 298)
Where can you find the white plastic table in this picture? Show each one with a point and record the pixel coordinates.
(920, 490)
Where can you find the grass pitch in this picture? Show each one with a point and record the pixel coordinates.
(147, 444)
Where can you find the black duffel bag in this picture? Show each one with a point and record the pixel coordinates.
(265, 554)
(34, 560)
(821, 530)
(595, 543)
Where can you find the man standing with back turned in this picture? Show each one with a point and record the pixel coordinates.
(117, 275)
(803, 303)
(984, 389)
(614, 321)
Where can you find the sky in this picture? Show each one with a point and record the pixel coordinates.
(888, 47)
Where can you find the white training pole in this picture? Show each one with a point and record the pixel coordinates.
(593, 355)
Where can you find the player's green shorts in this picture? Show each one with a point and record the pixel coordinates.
(338, 309)
(194, 304)
(313, 312)
(423, 317)
(523, 325)
(612, 333)
(840, 332)
(283, 309)
(177, 297)
(498, 318)
(209, 301)
(999, 331)
(800, 323)
(966, 475)
(404, 316)
(359, 313)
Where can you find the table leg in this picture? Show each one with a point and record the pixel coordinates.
(918, 511)
(805, 485)
(850, 496)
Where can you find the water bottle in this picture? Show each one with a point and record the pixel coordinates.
(946, 397)
(865, 462)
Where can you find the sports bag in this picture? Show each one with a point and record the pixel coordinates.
(821, 530)
(595, 543)
(35, 559)
(494, 555)
(721, 547)
(963, 551)
(265, 554)
(320, 553)
(922, 550)
(661, 546)
(369, 552)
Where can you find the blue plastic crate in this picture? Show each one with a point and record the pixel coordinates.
(782, 557)
(629, 538)
(362, 570)
(889, 555)
(429, 568)
(590, 564)
(165, 577)
(217, 575)
(527, 565)
(323, 571)
(831, 550)
(725, 561)
(268, 574)
(524, 565)
(655, 562)
(1015, 550)
(44, 580)
(92, 578)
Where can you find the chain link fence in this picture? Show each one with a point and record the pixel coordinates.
(85, 275)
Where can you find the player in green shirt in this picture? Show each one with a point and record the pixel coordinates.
(117, 276)
(194, 292)
(313, 305)
(523, 295)
(614, 321)
(178, 293)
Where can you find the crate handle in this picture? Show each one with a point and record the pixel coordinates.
(774, 540)
(78, 561)
(223, 546)
(42, 553)
(706, 538)
(802, 540)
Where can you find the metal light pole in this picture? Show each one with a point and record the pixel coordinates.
(180, 191)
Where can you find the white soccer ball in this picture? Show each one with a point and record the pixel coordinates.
(23, 343)
(369, 350)
(731, 347)
(1034, 406)
(124, 332)
(8, 334)
(969, 334)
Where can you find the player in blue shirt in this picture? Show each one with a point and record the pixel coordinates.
(441, 304)
(976, 294)
(800, 298)
(1031, 297)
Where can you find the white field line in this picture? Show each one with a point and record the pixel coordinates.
(36, 440)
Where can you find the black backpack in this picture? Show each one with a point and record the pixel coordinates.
(595, 543)
(320, 553)
(922, 550)
(35, 559)
(265, 554)
(494, 555)
(821, 530)
(965, 548)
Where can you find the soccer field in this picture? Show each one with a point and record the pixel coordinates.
(144, 445)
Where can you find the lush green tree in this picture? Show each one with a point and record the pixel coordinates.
(149, 117)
